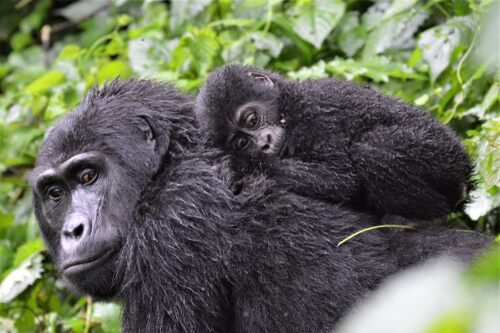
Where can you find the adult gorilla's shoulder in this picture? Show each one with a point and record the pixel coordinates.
(131, 205)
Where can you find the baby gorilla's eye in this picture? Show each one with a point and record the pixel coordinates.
(55, 192)
(88, 177)
(252, 120)
(242, 143)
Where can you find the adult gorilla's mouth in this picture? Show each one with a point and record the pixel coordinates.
(83, 264)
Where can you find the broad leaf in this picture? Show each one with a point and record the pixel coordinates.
(109, 313)
(21, 278)
(71, 52)
(438, 43)
(26, 250)
(185, 8)
(397, 7)
(46, 82)
(317, 18)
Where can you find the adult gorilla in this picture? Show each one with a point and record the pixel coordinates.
(130, 205)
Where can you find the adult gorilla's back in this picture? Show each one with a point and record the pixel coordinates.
(130, 205)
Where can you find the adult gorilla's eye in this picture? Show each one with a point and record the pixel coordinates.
(55, 192)
(252, 120)
(88, 177)
(242, 143)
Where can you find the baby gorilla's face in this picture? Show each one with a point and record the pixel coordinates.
(254, 130)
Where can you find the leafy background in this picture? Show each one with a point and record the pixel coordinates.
(441, 55)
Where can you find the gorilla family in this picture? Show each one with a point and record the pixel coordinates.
(132, 205)
(335, 140)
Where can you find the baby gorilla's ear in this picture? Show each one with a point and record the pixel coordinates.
(146, 128)
(261, 77)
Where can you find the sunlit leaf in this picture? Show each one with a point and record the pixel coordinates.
(109, 313)
(268, 42)
(20, 40)
(74, 11)
(71, 52)
(186, 8)
(21, 278)
(113, 69)
(394, 33)
(233, 22)
(317, 18)
(6, 220)
(398, 6)
(352, 34)
(26, 250)
(490, 98)
(46, 82)
(438, 43)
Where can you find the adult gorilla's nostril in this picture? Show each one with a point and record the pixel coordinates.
(265, 147)
(75, 232)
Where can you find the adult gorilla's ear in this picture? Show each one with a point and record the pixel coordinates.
(147, 129)
(261, 77)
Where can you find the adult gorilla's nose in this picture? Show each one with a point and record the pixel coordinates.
(76, 228)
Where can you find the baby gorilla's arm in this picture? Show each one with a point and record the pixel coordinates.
(335, 181)
(411, 171)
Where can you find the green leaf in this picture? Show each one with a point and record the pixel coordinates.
(486, 269)
(438, 43)
(78, 9)
(6, 257)
(398, 6)
(415, 57)
(233, 23)
(317, 18)
(21, 278)
(113, 69)
(199, 44)
(378, 69)
(45, 82)
(26, 250)
(352, 35)
(268, 42)
(109, 313)
(71, 52)
(76, 324)
(284, 24)
(316, 71)
(421, 100)
(20, 40)
(6, 221)
(124, 20)
(394, 33)
(184, 9)
(491, 97)
(452, 322)
(203, 48)
(26, 321)
(489, 162)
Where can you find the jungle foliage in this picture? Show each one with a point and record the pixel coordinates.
(441, 55)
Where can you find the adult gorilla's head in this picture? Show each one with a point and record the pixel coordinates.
(93, 167)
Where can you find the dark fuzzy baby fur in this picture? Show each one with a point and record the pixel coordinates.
(343, 143)
(191, 257)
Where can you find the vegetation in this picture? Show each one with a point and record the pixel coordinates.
(441, 55)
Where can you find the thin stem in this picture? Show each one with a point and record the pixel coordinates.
(88, 315)
(372, 228)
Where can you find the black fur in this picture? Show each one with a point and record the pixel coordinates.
(194, 258)
(343, 142)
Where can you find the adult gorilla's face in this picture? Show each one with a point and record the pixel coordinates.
(74, 200)
(89, 175)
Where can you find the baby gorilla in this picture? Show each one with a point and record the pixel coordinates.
(335, 140)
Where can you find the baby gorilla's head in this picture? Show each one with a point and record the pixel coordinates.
(238, 111)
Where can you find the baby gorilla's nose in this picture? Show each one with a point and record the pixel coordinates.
(265, 141)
